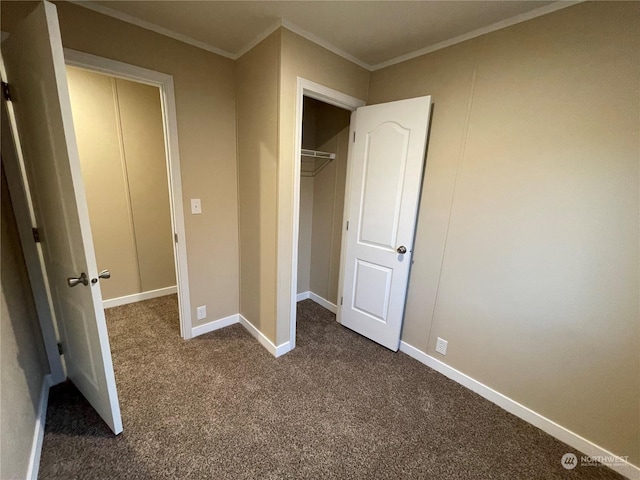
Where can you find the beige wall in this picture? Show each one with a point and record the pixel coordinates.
(265, 165)
(527, 246)
(304, 233)
(22, 351)
(328, 213)
(142, 133)
(257, 77)
(205, 105)
(301, 58)
(120, 139)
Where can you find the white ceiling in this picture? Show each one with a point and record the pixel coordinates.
(371, 33)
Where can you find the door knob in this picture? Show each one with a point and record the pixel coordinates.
(103, 274)
(401, 249)
(83, 279)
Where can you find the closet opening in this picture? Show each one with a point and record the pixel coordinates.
(323, 172)
(120, 132)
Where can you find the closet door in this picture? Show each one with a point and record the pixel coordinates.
(386, 176)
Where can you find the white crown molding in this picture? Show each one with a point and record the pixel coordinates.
(321, 42)
(153, 27)
(538, 12)
(272, 28)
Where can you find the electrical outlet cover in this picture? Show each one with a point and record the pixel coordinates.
(441, 346)
(202, 312)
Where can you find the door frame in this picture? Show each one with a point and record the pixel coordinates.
(164, 82)
(307, 88)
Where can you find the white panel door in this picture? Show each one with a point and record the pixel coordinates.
(33, 65)
(386, 175)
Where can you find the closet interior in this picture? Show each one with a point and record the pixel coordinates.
(120, 136)
(325, 137)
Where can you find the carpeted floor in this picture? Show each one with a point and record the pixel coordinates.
(338, 406)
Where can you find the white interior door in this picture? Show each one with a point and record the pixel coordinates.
(386, 175)
(34, 67)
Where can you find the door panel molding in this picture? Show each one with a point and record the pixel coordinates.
(386, 169)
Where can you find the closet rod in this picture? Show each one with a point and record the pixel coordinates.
(317, 154)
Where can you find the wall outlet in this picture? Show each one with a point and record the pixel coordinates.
(202, 312)
(441, 346)
(196, 206)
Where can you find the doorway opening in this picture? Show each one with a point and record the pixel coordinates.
(120, 136)
(323, 171)
(323, 135)
(126, 130)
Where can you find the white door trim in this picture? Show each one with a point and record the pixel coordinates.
(307, 88)
(165, 83)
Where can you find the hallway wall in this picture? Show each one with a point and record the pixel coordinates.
(24, 363)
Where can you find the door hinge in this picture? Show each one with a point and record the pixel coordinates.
(36, 235)
(60, 351)
(175, 237)
(6, 91)
(347, 224)
(341, 298)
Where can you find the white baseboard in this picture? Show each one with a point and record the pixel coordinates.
(332, 307)
(214, 325)
(38, 433)
(323, 302)
(264, 341)
(138, 297)
(519, 410)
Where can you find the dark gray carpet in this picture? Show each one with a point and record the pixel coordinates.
(338, 406)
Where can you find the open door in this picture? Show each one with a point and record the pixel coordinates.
(386, 175)
(33, 65)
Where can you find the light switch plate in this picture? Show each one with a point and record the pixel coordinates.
(196, 206)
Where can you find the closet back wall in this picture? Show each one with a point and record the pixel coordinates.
(120, 139)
